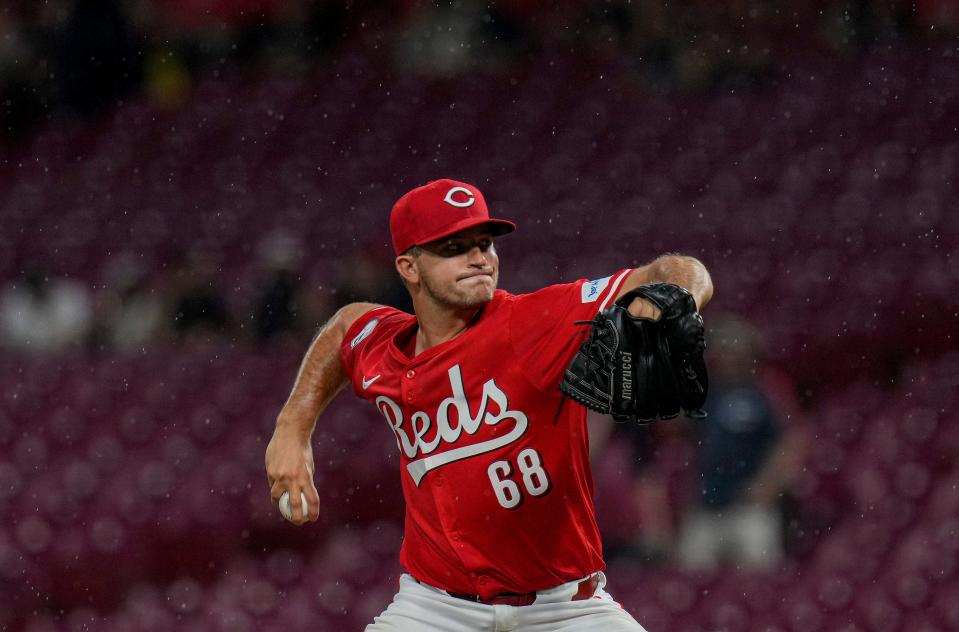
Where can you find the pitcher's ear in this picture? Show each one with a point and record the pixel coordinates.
(407, 265)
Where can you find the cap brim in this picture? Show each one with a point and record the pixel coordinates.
(497, 227)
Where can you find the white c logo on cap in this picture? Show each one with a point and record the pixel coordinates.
(449, 197)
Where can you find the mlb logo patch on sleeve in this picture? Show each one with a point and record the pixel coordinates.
(592, 289)
(364, 333)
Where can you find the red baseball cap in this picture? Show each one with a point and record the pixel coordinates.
(438, 209)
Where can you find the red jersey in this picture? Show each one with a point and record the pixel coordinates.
(494, 460)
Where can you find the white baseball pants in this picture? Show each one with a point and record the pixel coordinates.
(421, 608)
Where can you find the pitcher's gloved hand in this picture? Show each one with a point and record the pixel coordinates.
(637, 369)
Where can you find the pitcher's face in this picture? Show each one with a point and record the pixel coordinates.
(460, 271)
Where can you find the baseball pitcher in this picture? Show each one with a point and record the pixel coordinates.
(500, 532)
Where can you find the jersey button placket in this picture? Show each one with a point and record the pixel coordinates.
(408, 387)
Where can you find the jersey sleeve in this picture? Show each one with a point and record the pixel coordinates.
(542, 325)
(366, 330)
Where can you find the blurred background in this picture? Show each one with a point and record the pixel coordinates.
(188, 188)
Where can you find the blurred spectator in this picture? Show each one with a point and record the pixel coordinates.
(26, 88)
(450, 38)
(277, 304)
(694, 46)
(747, 456)
(282, 306)
(131, 311)
(100, 57)
(199, 307)
(362, 279)
(438, 38)
(278, 296)
(44, 314)
(167, 79)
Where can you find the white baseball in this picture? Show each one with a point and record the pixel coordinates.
(285, 508)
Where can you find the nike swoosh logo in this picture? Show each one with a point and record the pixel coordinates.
(369, 382)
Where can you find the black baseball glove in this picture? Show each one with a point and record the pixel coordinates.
(637, 369)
